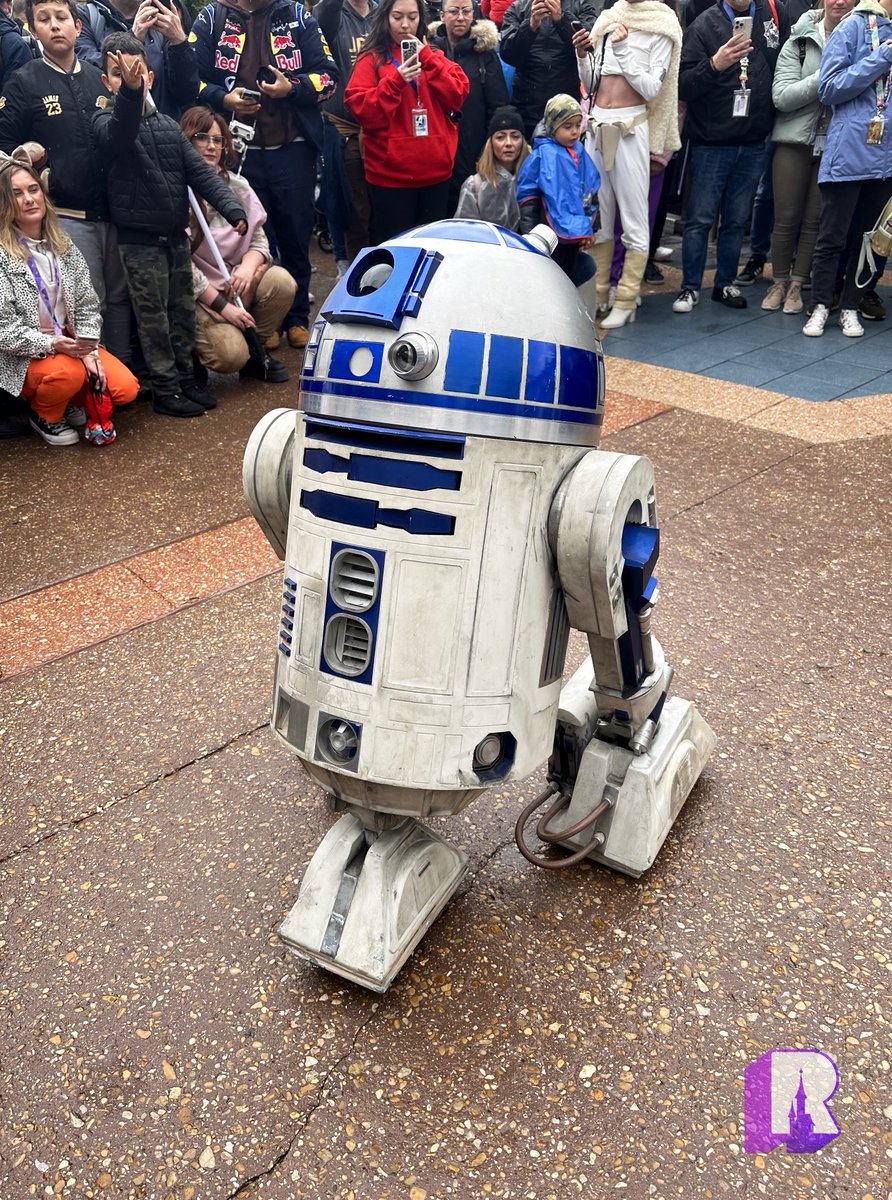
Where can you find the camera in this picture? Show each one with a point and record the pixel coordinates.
(266, 75)
(241, 135)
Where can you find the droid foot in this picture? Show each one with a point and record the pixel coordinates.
(367, 899)
(640, 795)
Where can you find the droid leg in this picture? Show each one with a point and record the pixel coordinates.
(625, 756)
(368, 898)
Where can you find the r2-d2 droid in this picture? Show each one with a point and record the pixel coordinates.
(445, 519)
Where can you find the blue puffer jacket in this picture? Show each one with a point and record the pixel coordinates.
(567, 182)
(849, 67)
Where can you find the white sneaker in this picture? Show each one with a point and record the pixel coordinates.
(685, 300)
(849, 323)
(663, 254)
(814, 326)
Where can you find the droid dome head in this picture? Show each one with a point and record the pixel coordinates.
(459, 326)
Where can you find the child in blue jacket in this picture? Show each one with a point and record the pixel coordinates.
(559, 183)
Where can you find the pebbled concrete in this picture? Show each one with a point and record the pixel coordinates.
(572, 1033)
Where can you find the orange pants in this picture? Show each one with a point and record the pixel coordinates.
(54, 382)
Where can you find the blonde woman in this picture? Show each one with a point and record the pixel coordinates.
(490, 195)
(49, 314)
(629, 73)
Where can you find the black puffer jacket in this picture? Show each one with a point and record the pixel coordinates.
(149, 164)
(544, 57)
(477, 56)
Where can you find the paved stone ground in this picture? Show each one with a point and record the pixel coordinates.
(563, 1034)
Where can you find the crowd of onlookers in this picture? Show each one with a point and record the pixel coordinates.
(163, 174)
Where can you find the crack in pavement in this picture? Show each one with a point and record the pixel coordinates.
(322, 1098)
(74, 822)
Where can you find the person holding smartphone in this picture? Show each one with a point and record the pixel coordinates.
(403, 94)
(163, 27)
(725, 76)
(537, 40)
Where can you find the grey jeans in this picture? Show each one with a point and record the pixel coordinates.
(98, 243)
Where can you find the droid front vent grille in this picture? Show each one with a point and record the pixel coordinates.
(354, 580)
(348, 644)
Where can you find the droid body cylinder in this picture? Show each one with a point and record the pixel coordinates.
(445, 517)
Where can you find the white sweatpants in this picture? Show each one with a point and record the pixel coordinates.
(627, 186)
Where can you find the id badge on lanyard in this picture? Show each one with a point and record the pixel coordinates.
(419, 121)
(741, 103)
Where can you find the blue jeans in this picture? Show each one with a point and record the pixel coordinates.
(285, 182)
(723, 182)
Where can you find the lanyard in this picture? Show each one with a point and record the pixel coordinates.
(881, 85)
(398, 65)
(730, 14)
(41, 287)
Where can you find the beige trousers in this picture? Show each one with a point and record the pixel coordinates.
(220, 346)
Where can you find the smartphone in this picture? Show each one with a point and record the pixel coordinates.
(408, 48)
(266, 75)
(742, 25)
(250, 94)
(576, 26)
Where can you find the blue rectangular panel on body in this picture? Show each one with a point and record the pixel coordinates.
(578, 378)
(388, 472)
(505, 367)
(368, 514)
(379, 437)
(541, 365)
(464, 366)
(356, 360)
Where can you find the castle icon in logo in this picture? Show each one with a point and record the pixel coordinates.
(785, 1094)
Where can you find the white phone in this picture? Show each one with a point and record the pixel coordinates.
(409, 48)
(742, 25)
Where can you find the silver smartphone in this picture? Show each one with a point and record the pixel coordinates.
(409, 48)
(743, 25)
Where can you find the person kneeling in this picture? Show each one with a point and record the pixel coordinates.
(49, 316)
(239, 309)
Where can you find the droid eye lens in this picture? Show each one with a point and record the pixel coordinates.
(413, 356)
(404, 357)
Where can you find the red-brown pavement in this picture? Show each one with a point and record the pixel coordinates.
(573, 1033)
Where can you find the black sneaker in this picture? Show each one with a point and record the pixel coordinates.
(729, 296)
(751, 272)
(198, 395)
(176, 406)
(871, 307)
(54, 433)
(652, 273)
(271, 370)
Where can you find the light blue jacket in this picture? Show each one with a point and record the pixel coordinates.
(849, 67)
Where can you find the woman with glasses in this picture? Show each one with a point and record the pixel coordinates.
(50, 320)
(407, 108)
(474, 46)
(236, 310)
